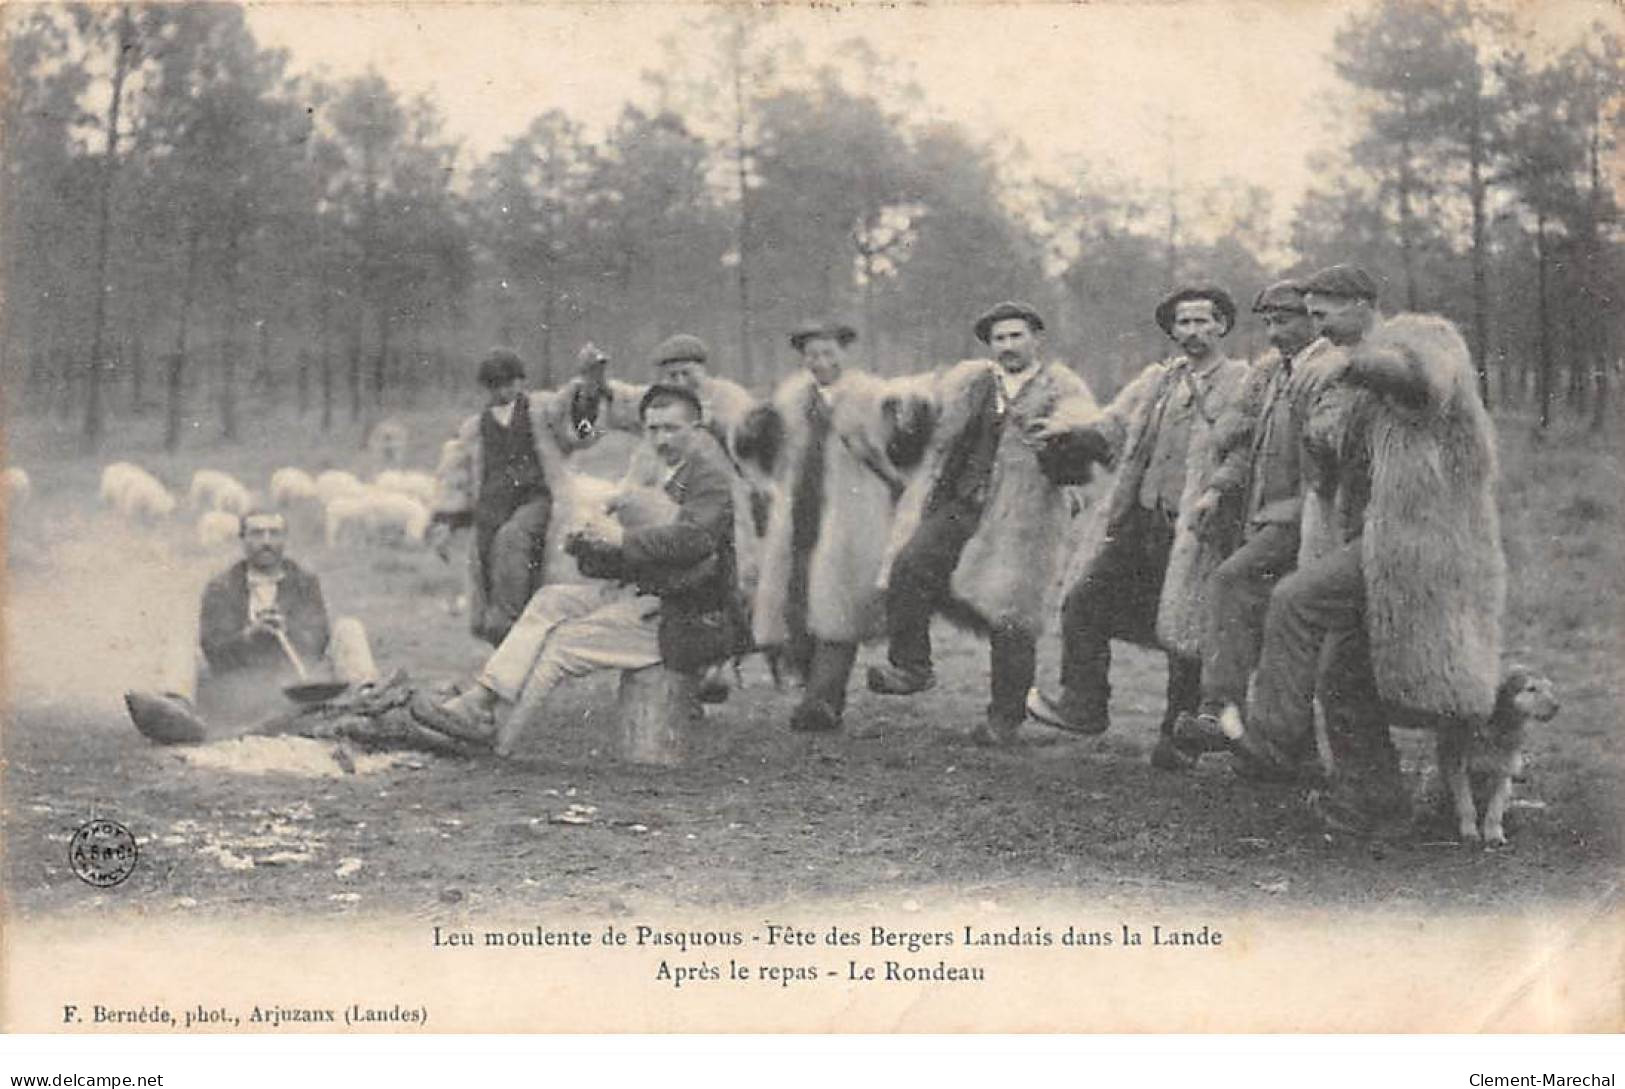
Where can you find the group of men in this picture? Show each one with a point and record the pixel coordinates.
(1316, 525)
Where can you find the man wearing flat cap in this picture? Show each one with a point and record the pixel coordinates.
(1259, 445)
(828, 441)
(979, 528)
(497, 476)
(1140, 572)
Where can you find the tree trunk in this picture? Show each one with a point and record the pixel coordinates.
(355, 372)
(742, 170)
(125, 43)
(138, 375)
(380, 362)
(228, 342)
(326, 368)
(1543, 377)
(1407, 222)
(174, 384)
(1481, 292)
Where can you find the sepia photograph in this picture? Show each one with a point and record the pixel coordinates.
(813, 517)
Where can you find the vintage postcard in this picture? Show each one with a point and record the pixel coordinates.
(859, 517)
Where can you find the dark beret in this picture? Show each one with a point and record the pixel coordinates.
(500, 366)
(1284, 295)
(1218, 296)
(1342, 282)
(680, 348)
(658, 392)
(838, 331)
(1004, 312)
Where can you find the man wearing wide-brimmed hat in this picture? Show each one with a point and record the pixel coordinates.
(979, 528)
(1141, 569)
(828, 441)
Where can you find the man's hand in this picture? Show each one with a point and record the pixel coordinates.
(1204, 513)
(600, 533)
(1072, 414)
(269, 622)
(439, 539)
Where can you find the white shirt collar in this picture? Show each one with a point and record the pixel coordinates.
(503, 414)
(1011, 385)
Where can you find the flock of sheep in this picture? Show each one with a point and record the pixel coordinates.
(393, 509)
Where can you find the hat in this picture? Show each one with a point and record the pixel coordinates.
(1218, 296)
(680, 348)
(838, 331)
(1004, 312)
(500, 366)
(1283, 295)
(1342, 282)
(659, 392)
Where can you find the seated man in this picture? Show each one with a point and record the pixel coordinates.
(258, 618)
(680, 605)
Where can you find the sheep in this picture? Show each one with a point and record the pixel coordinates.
(18, 486)
(334, 483)
(289, 486)
(135, 494)
(214, 490)
(217, 527)
(380, 516)
(420, 486)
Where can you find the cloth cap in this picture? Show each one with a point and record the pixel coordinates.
(1004, 312)
(1342, 282)
(838, 331)
(680, 348)
(1218, 296)
(659, 392)
(1285, 295)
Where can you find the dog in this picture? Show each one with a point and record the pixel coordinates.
(1480, 760)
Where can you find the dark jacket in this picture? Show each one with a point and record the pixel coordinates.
(226, 643)
(688, 563)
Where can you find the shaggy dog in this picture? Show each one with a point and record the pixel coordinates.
(1478, 760)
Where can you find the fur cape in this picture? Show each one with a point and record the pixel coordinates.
(1006, 573)
(1435, 575)
(458, 475)
(851, 502)
(1182, 608)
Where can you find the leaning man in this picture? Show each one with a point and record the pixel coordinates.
(680, 606)
(263, 624)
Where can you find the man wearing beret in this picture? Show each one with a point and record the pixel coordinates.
(666, 592)
(828, 441)
(1141, 570)
(1259, 445)
(979, 528)
(497, 476)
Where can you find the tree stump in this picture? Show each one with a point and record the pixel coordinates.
(655, 707)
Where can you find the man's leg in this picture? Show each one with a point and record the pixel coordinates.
(1238, 595)
(825, 698)
(1367, 788)
(623, 634)
(514, 563)
(919, 581)
(350, 652)
(1324, 599)
(511, 664)
(1012, 662)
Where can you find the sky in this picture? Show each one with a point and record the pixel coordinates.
(1091, 86)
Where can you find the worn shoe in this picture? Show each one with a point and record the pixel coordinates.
(893, 680)
(165, 718)
(1171, 755)
(446, 718)
(1255, 760)
(713, 687)
(1199, 733)
(1065, 714)
(814, 717)
(996, 732)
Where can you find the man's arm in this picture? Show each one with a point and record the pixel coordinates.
(306, 615)
(227, 638)
(703, 523)
(1233, 433)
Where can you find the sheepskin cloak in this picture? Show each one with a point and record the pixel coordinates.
(1435, 576)
(850, 504)
(1126, 424)
(1006, 572)
(458, 476)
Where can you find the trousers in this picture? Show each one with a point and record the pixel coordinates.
(512, 555)
(250, 694)
(920, 580)
(569, 631)
(1117, 598)
(1315, 641)
(1238, 596)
